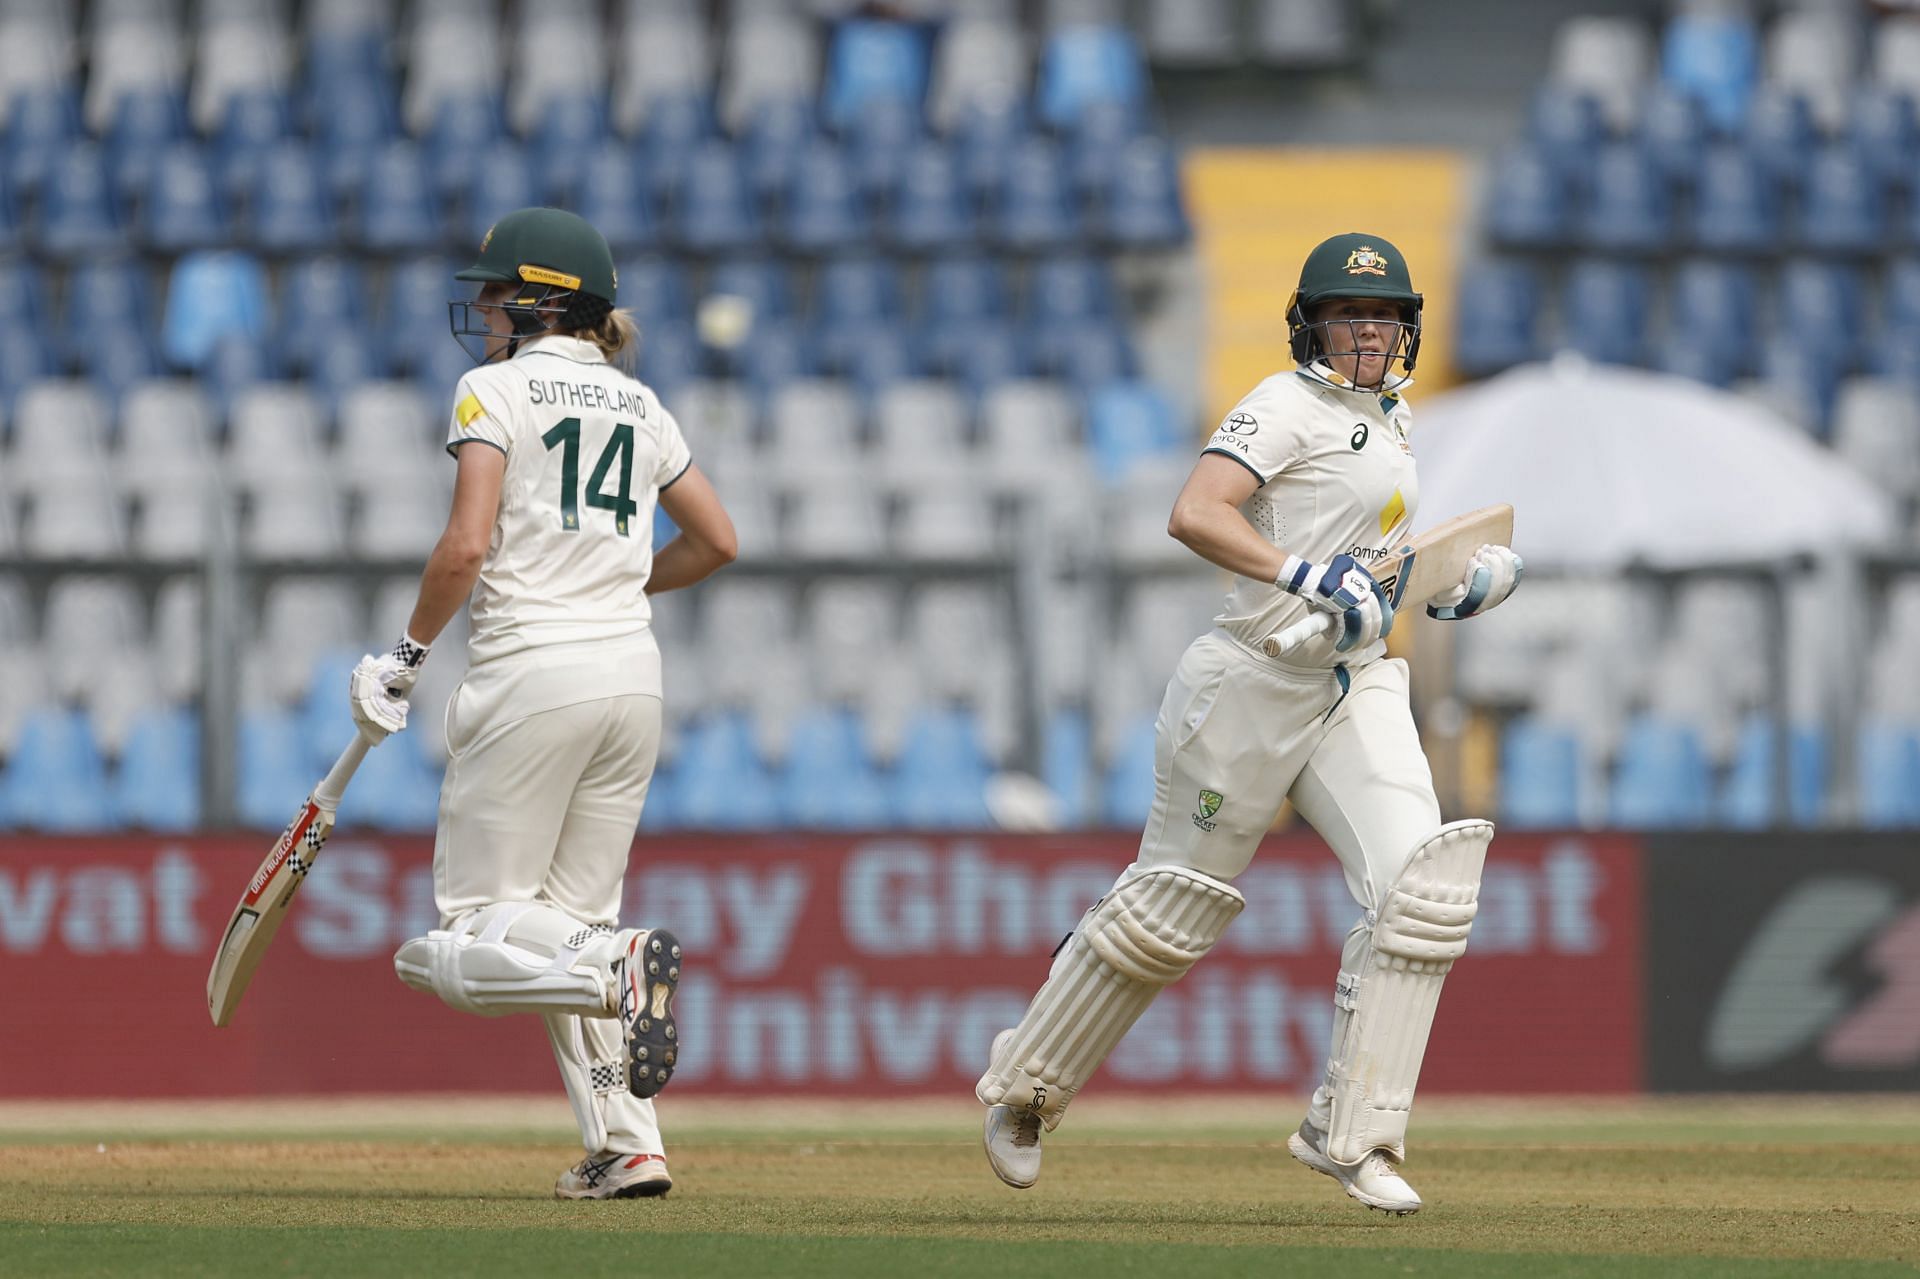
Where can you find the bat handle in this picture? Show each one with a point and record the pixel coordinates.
(1280, 643)
(326, 796)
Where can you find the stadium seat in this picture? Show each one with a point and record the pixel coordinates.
(663, 52)
(12, 228)
(233, 365)
(510, 185)
(771, 144)
(1821, 301)
(770, 55)
(940, 779)
(1751, 799)
(1815, 54)
(1567, 128)
(79, 215)
(985, 138)
(760, 281)
(104, 295)
(1143, 209)
(1713, 54)
(241, 51)
(209, 296)
(1066, 763)
(255, 122)
(465, 125)
(1889, 774)
(167, 439)
(342, 360)
(979, 356)
(56, 780)
(565, 145)
(825, 211)
(42, 126)
(145, 125)
(779, 352)
(396, 210)
(1663, 779)
(612, 195)
(675, 131)
(981, 59)
(715, 211)
(1781, 136)
(1884, 130)
(1606, 56)
(117, 360)
(1127, 789)
(1093, 148)
(1604, 311)
(1088, 354)
(1528, 203)
(414, 319)
(1035, 211)
(1083, 65)
(1803, 367)
(670, 357)
(182, 208)
(1711, 310)
(274, 768)
(353, 133)
(157, 786)
(857, 290)
(1844, 209)
(1128, 422)
(1499, 317)
(1672, 132)
(720, 781)
(1628, 209)
(291, 209)
(829, 781)
(1736, 204)
(24, 360)
(1539, 775)
(319, 296)
(879, 142)
(964, 287)
(873, 60)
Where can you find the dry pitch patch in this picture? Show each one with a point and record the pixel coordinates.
(1787, 1186)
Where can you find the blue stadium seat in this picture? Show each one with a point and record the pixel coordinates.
(158, 783)
(1066, 762)
(1094, 145)
(12, 231)
(57, 780)
(1781, 136)
(1715, 56)
(343, 359)
(1673, 132)
(984, 139)
(1711, 310)
(320, 296)
(670, 357)
(1539, 775)
(760, 280)
(396, 787)
(255, 122)
(1071, 287)
(940, 780)
(234, 364)
(1083, 65)
(873, 61)
(566, 143)
(439, 367)
(352, 134)
(1126, 793)
(1844, 208)
(346, 62)
(1567, 127)
(1128, 422)
(1627, 209)
(1603, 311)
(415, 316)
(978, 355)
(116, 360)
(1884, 128)
(858, 289)
(274, 768)
(1751, 799)
(78, 213)
(654, 288)
(291, 210)
(1663, 779)
(933, 210)
(829, 781)
(42, 125)
(715, 212)
(1826, 297)
(209, 296)
(24, 359)
(612, 195)
(1806, 365)
(963, 287)
(182, 208)
(720, 781)
(771, 143)
(1889, 784)
(676, 130)
(1528, 204)
(509, 185)
(103, 295)
(660, 812)
(780, 352)
(825, 211)
(24, 295)
(1143, 209)
(1035, 210)
(878, 143)
(1087, 354)
(883, 356)
(1736, 205)
(145, 123)
(1499, 318)
(396, 209)
(464, 126)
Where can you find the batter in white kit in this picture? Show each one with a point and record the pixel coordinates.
(1306, 482)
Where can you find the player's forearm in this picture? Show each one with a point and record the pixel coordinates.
(1219, 534)
(445, 587)
(684, 561)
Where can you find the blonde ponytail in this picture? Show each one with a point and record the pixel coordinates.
(617, 336)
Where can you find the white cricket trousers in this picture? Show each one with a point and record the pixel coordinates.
(540, 805)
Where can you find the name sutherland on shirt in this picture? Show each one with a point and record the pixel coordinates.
(586, 395)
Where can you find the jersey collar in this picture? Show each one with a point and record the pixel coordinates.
(1322, 372)
(577, 349)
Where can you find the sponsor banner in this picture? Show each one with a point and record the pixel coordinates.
(1784, 962)
(869, 965)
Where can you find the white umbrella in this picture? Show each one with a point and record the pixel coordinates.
(1607, 466)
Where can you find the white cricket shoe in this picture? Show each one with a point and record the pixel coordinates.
(1375, 1181)
(648, 971)
(1012, 1138)
(614, 1175)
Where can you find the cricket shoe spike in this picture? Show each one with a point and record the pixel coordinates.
(649, 974)
(612, 1174)
(1012, 1138)
(1375, 1181)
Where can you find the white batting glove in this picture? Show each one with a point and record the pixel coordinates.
(1491, 576)
(379, 686)
(1343, 586)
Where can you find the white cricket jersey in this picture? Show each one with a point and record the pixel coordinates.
(588, 451)
(1336, 475)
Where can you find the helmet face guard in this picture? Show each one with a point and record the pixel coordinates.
(1313, 340)
(535, 308)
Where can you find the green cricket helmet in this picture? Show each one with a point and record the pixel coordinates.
(1354, 266)
(561, 267)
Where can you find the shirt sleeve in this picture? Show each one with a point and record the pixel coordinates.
(675, 456)
(477, 417)
(1254, 436)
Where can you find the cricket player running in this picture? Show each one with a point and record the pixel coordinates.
(1308, 480)
(553, 733)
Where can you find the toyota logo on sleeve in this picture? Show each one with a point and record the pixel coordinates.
(1240, 424)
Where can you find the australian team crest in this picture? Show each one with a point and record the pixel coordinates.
(1210, 801)
(1366, 260)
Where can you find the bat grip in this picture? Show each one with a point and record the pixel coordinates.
(326, 796)
(1280, 643)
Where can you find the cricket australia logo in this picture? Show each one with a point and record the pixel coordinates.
(1210, 801)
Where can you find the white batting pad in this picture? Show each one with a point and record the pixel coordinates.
(593, 1064)
(1389, 991)
(513, 957)
(1145, 934)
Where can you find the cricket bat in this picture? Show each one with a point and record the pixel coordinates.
(1426, 566)
(270, 892)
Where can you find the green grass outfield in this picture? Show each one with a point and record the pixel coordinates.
(1768, 1187)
